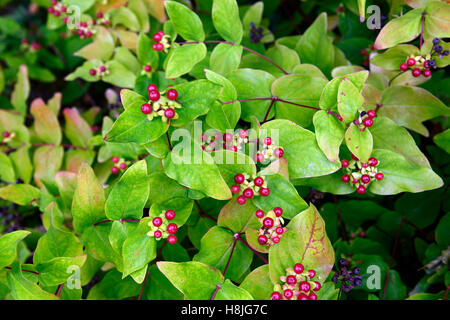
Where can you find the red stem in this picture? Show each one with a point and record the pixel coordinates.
(215, 291)
(394, 248)
(59, 290)
(268, 111)
(168, 140)
(254, 251)
(245, 48)
(231, 254)
(421, 30)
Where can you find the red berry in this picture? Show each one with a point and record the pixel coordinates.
(365, 165)
(345, 178)
(54, 2)
(99, 15)
(241, 200)
(275, 239)
(89, 34)
(354, 157)
(302, 296)
(258, 181)
(239, 178)
(172, 94)
(172, 239)
(371, 113)
(248, 193)
(235, 188)
(228, 137)
(51, 10)
(268, 141)
(298, 268)
(361, 189)
(403, 67)
(259, 213)
(154, 95)
(146, 108)
(312, 296)
(157, 221)
(92, 72)
(317, 286)
(169, 113)
(344, 163)
(102, 68)
(170, 214)
(158, 234)
(115, 170)
(264, 192)
(340, 9)
(123, 166)
(279, 152)
(379, 176)
(364, 52)
(373, 161)
(354, 180)
(427, 73)
(278, 211)
(368, 122)
(304, 286)
(279, 230)
(115, 159)
(172, 228)
(275, 296)
(288, 293)
(158, 46)
(410, 62)
(268, 223)
(311, 273)
(365, 178)
(243, 133)
(259, 157)
(160, 32)
(147, 68)
(6, 134)
(152, 87)
(291, 280)
(262, 239)
(416, 72)
(157, 37)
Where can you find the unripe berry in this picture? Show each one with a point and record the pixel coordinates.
(172, 94)
(158, 234)
(154, 95)
(157, 221)
(259, 213)
(262, 239)
(172, 228)
(239, 178)
(278, 152)
(365, 178)
(416, 72)
(345, 178)
(304, 286)
(298, 268)
(152, 87)
(268, 141)
(278, 211)
(403, 67)
(235, 188)
(291, 280)
(288, 293)
(379, 176)
(146, 108)
(248, 193)
(172, 239)
(115, 170)
(258, 181)
(170, 214)
(275, 296)
(361, 189)
(372, 113)
(264, 192)
(169, 113)
(268, 223)
(368, 122)
(311, 273)
(410, 62)
(373, 161)
(241, 200)
(344, 163)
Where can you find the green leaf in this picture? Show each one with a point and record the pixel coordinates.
(129, 195)
(442, 235)
(410, 106)
(349, 100)
(21, 90)
(316, 37)
(195, 280)
(258, 283)
(215, 250)
(225, 16)
(186, 22)
(7, 172)
(253, 14)
(88, 200)
(291, 136)
(119, 75)
(225, 58)
(101, 48)
(140, 10)
(442, 140)
(145, 53)
(238, 217)
(77, 130)
(113, 287)
(409, 24)
(22, 164)
(228, 291)
(161, 288)
(181, 205)
(401, 176)
(46, 123)
(231, 163)
(22, 194)
(184, 58)
(47, 161)
(360, 143)
(306, 242)
(124, 56)
(8, 243)
(195, 169)
(393, 57)
(300, 89)
(329, 134)
(437, 23)
(138, 249)
(124, 16)
(54, 272)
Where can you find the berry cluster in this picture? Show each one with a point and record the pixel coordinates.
(34, 46)
(361, 174)
(268, 151)
(249, 187)
(84, 29)
(366, 54)
(271, 230)
(8, 136)
(11, 221)
(297, 285)
(162, 41)
(418, 64)
(161, 228)
(57, 8)
(100, 71)
(234, 142)
(256, 34)
(365, 119)
(349, 278)
(119, 164)
(160, 105)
